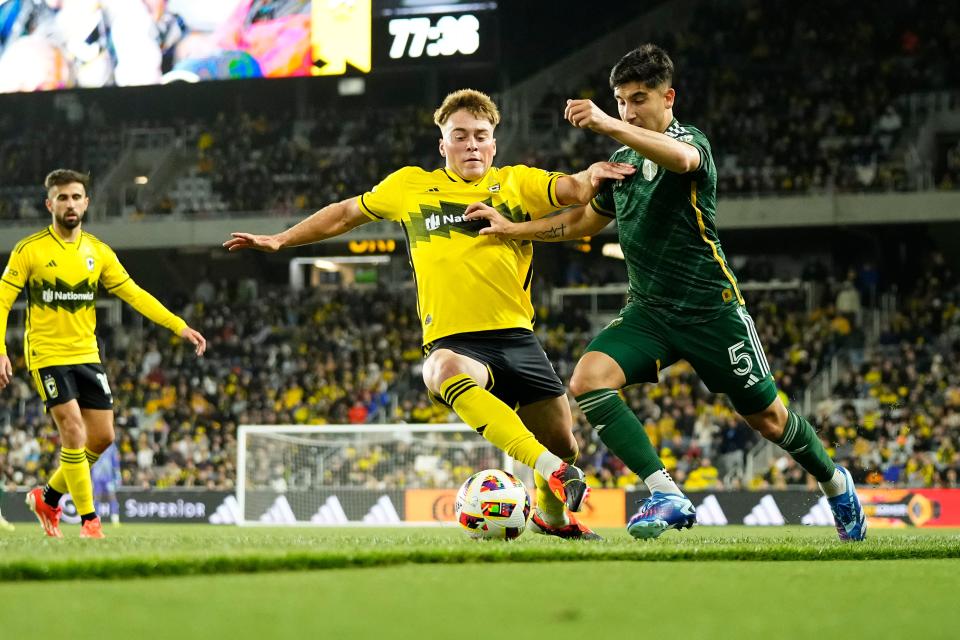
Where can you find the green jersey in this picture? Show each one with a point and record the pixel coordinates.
(668, 233)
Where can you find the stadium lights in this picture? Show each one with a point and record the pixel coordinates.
(298, 266)
(351, 87)
(613, 250)
(325, 265)
(141, 180)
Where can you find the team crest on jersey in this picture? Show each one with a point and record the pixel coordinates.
(90, 263)
(649, 169)
(51, 386)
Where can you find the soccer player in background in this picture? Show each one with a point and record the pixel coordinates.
(106, 478)
(482, 358)
(683, 302)
(60, 267)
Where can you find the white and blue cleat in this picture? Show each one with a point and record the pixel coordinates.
(659, 512)
(848, 512)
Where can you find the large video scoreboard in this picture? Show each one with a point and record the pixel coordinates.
(63, 44)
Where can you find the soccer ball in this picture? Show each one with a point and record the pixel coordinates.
(492, 505)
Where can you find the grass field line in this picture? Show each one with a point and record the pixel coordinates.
(51, 568)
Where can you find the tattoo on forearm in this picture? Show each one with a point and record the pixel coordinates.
(552, 233)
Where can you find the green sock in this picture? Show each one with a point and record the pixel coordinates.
(800, 440)
(620, 430)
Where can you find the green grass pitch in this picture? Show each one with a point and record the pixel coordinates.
(168, 581)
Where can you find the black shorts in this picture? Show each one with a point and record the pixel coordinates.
(519, 371)
(85, 383)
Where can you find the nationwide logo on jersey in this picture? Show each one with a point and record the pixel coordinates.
(448, 218)
(61, 295)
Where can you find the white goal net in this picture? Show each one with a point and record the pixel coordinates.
(377, 475)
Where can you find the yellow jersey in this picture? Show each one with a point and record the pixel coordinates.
(465, 282)
(61, 281)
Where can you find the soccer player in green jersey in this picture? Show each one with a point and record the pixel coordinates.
(684, 302)
(473, 293)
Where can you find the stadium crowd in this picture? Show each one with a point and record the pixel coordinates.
(792, 103)
(775, 89)
(353, 357)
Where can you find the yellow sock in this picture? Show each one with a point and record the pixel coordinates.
(57, 482)
(492, 419)
(91, 456)
(76, 471)
(550, 506)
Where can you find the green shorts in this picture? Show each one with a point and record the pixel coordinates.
(725, 352)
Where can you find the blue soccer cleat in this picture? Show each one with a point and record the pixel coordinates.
(659, 512)
(847, 512)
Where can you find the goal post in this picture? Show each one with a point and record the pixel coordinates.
(358, 475)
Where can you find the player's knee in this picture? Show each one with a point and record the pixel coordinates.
(584, 380)
(100, 443)
(595, 371)
(72, 432)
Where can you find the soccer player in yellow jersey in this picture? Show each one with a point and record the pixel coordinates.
(60, 268)
(473, 293)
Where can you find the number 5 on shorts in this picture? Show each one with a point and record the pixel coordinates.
(742, 362)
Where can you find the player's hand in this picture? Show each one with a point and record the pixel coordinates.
(500, 226)
(240, 240)
(586, 115)
(600, 171)
(6, 371)
(198, 340)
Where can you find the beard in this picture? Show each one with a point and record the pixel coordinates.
(69, 223)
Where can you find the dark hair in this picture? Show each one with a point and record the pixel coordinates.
(60, 177)
(647, 64)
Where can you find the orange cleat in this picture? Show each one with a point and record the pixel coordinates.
(91, 529)
(572, 531)
(568, 485)
(48, 516)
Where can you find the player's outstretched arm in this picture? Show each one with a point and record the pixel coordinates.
(570, 224)
(333, 220)
(580, 188)
(669, 153)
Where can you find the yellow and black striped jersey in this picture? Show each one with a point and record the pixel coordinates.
(465, 282)
(61, 281)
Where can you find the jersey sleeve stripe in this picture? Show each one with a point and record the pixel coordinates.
(367, 210)
(11, 284)
(23, 243)
(118, 285)
(711, 244)
(601, 210)
(552, 191)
